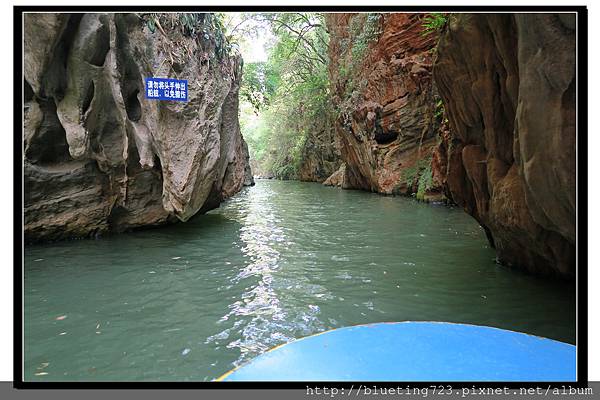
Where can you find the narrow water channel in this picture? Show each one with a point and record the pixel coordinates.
(279, 261)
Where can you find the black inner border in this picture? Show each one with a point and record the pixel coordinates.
(582, 199)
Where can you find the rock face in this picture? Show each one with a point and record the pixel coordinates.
(508, 85)
(99, 156)
(337, 178)
(381, 74)
(320, 155)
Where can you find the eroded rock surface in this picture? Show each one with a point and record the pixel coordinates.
(508, 85)
(337, 178)
(99, 156)
(320, 154)
(382, 84)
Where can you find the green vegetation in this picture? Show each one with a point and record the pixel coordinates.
(206, 26)
(425, 182)
(411, 175)
(363, 29)
(421, 175)
(440, 112)
(259, 84)
(285, 98)
(434, 22)
(439, 109)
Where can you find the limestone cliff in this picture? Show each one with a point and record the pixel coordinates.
(508, 85)
(389, 112)
(99, 156)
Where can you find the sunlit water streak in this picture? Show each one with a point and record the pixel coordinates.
(279, 261)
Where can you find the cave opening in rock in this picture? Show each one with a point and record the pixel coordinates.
(113, 220)
(54, 81)
(133, 107)
(382, 137)
(49, 143)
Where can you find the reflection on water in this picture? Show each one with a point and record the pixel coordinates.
(279, 261)
(267, 323)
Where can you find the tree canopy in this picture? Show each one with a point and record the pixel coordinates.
(286, 95)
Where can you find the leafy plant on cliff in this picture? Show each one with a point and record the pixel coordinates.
(363, 30)
(440, 112)
(433, 22)
(412, 175)
(206, 26)
(425, 181)
(439, 109)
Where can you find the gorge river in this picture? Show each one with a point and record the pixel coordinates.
(279, 261)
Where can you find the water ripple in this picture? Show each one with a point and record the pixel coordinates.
(278, 261)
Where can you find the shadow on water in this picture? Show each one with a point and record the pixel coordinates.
(278, 261)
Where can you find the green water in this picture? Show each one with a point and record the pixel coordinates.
(279, 261)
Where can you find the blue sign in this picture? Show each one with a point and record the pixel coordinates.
(166, 89)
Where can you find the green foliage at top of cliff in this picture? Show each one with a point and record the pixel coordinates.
(208, 27)
(363, 29)
(287, 96)
(434, 22)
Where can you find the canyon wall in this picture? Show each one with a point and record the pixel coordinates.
(508, 85)
(388, 124)
(320, 155)
(98, 156)
(489, 125)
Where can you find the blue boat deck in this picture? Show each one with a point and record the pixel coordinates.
(414, 351)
